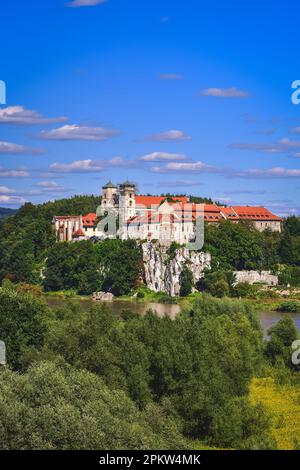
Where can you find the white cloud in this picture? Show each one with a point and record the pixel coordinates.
(281, 146)
(162, 156)
(10, 147)
(171, 76)
(21, 115)
(85, 3)
(75, 132)
(87, 166)
(225, 93)
(13, 173)
(47, 184)
(277, 172)
(5, 190)
(178, 183)
(184, 167)
(200, 167)
(169, 136)
(12, 200)
(47, 187)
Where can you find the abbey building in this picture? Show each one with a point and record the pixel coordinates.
(163, 218)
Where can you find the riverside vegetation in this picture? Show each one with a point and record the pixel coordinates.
(74, 378)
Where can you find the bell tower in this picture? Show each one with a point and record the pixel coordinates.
(109, 196)
(127, 200)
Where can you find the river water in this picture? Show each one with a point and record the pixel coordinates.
(267, 319)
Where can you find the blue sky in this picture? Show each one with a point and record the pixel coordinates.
(188, 97)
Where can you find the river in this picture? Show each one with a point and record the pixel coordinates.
(267, 319)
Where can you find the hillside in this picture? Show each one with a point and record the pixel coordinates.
(5, 212)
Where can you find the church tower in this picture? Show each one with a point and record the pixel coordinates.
(109, 196)
(127, 200)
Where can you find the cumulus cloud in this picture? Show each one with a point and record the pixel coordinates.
(21, 115)
(13, 173)
(277, 172)
(47, 184)
(11, 200)
(75, 132)
(5, 190)
(90, 166)
(10, 147)
(225, 93)
(85, 3)
(178, 183)
(201, 167)
(281, 146)
(184, 167)
(162, 156)
(171, 76)
(169, 136)
(47, 187)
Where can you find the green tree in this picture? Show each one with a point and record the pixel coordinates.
(54, 406)
(279, 346)
(22, 325)
(186, 281)
(121, 265)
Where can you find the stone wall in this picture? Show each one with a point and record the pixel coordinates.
(162, 270)
(251, 277)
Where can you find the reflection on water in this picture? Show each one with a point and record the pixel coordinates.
(117, 306)
(267, 319)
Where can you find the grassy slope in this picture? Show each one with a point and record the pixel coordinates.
(283, 402)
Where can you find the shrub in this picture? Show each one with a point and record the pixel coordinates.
(289, 307)
(243, 289)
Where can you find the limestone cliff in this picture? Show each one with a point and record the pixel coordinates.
(162, 270)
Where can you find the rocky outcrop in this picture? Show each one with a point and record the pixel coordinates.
(162, 269)
(103, 296)
(252, 277)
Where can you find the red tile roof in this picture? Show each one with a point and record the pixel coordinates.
(157, 200)
(255, 213)
(78, 233)
(89, 220)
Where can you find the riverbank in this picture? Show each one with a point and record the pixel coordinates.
(270, 304)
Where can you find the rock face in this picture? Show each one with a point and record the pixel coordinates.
(162, 270)
(251, 277)
(103, 296)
